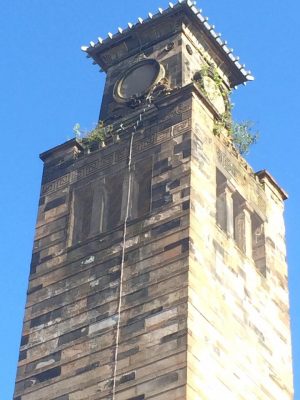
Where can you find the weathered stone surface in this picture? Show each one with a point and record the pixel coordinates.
(195, 297)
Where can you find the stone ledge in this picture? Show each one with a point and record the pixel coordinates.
(264, 175)
(63, 149)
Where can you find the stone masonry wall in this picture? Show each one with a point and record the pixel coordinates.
(69, 332)
(238, 317)
(204, 304)
(204, 311)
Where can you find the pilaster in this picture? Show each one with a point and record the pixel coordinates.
(243, 229)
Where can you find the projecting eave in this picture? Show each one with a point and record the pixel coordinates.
(238, 74)
(62, 148)
(264, 174)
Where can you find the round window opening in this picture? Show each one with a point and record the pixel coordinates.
(138, 80)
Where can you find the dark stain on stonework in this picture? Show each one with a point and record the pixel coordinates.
(56, 171)
(185, 205)
(55, 203)
(74, 335)
(42, 201)
(184, 243)
(102, 316)
(162, 202)
(128, 353)
(172, 336)
(145, 315)
(138, 295)
(174, 184)
(161, 166)
(167, 379)
(24, 340)
(159, 189)
(184, 148)
(175, 223)
(87, 368)
(54, 357)
(185, 192)
(47, 258)
(23, 355)
(45, 318)
(34, 289)
(127, 377)
(35, 260)
(49, 374)
(135, 327)
(101, 297)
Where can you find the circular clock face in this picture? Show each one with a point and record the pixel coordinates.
(138, 80)
(214, 94)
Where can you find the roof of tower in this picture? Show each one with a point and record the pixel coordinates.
(241, 75)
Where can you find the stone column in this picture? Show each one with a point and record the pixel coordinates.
(258, 247)
(243, 229)
(225, 208)
(229, 190)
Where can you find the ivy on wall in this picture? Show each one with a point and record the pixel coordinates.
(242, 134)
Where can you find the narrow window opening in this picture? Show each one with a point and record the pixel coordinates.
(239, 221)
(224, 204)
(258, 244)
(114, 192)
(141, 188)
(235, 217)
(97, 207)
(221, 211)
(82, 212)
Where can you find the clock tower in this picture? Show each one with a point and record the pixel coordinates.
(159, 262)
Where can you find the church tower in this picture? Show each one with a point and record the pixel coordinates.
(159, 261)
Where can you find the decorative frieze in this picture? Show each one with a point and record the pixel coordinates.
(104, 161)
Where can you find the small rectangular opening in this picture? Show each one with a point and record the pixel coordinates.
(258, 244)
(82, 212)
(141, 188)
(114, 192)
(221, 208)
(239, 222)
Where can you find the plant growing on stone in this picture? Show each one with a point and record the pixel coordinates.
(96, 135)
(241, 133)
(211, 72)
(243, 136)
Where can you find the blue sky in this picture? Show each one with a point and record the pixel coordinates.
(47, 85)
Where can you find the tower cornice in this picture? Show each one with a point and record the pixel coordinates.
(126, 42)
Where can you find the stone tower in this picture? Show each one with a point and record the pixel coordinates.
(158, 269)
